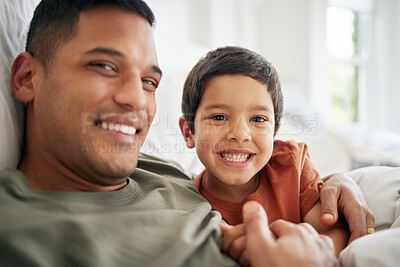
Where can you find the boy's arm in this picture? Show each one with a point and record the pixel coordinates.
(338, 232)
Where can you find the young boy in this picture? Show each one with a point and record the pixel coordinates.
(232, 105)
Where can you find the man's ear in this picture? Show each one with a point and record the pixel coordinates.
(22, 72)
(187, 134)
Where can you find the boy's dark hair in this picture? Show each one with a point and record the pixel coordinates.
(230, 60)
(55, 22)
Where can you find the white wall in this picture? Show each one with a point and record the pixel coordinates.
(284, 32)
(290, 34)
(384, 100)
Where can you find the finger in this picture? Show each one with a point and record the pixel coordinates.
(237, 248)
(281, 227)
(231, 235)
(329, 196)
(359, 222)
(256, 220)
(224, 227)
(327, 242)
(309, 229)
(259, 237)
(244, 260)
(370, 220)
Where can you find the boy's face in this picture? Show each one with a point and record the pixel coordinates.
(234, 128)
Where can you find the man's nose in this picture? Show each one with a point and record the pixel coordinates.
(239, 131)
(130, 94)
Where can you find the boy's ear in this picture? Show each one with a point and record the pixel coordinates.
(187, 134)
(22, 72)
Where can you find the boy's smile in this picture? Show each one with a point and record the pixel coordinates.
(234, 131)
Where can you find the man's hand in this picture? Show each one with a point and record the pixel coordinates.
(234, 243)
(341, 193)
(284, 243)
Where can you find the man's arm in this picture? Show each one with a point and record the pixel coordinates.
(341, 193)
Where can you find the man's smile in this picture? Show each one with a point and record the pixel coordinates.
(116, 127)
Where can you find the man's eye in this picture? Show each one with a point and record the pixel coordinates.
(102, 66)
(258, 119)
(219, 117)
(149, 85)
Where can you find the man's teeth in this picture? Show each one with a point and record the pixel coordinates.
(125, 129)
(235, 157)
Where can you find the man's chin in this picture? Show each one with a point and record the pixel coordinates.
(117, 165)
(112, 160)
(117, 170)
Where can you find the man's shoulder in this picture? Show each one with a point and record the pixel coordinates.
(8, 175)
(155, 166)
(9, 172)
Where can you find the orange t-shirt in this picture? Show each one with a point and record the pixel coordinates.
(288, 186)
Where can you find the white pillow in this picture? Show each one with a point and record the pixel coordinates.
(381, 187)
(15, 16)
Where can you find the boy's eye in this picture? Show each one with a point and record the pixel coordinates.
(258, 119)
(219, 117)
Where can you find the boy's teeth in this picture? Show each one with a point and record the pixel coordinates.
(235, 157)
(118, 128)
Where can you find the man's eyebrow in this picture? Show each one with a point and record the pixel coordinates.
(113, 52)
(104, 50)
(157, 69)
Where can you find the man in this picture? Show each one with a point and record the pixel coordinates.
(89, 77)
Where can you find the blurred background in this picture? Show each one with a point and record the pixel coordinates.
(338, 61)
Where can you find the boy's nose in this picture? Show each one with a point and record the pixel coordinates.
(130, 94)
(239, 132)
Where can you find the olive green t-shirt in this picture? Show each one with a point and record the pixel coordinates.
(158, 219)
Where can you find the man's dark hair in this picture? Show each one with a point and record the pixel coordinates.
(230, 60)
(55, 22)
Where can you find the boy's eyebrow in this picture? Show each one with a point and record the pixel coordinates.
(264, 108)
(211, 106)
(257, 107)
(113, 52)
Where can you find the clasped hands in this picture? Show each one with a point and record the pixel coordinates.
(281, 243)
(286, 244)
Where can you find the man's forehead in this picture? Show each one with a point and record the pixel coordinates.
(117, 29)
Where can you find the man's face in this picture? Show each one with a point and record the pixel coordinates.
(94, 105)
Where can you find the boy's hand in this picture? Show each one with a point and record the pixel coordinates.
(341, 193)
(234, 243)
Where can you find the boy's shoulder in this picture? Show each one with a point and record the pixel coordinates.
(288, 148)
(288, 145)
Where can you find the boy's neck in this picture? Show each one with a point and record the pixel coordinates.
(232, 193)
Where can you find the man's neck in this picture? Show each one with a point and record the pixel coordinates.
(51, 178)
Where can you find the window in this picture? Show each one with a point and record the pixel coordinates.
(348, 35)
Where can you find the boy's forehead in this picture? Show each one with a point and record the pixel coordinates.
(225, 91)
(223, 81)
